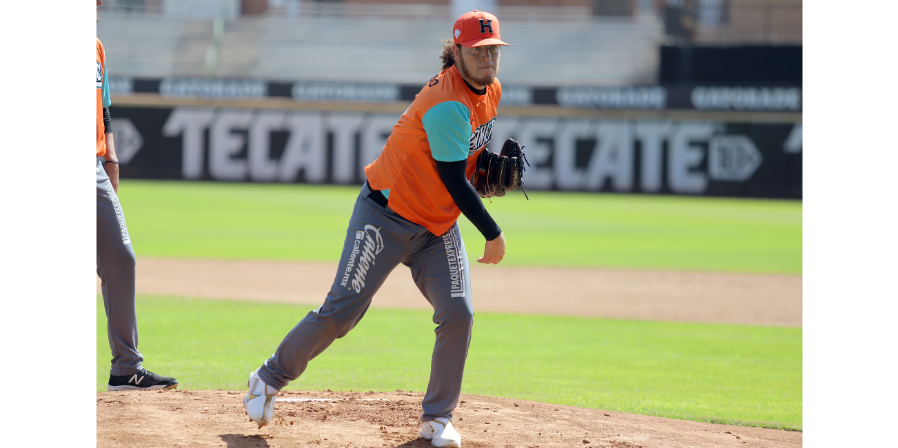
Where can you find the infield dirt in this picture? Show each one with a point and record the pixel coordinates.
(356, 419)
(709, 297)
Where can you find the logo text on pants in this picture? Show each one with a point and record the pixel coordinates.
(456, 264)
(367, 244)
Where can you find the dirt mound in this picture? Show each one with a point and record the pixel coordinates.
(357, 419)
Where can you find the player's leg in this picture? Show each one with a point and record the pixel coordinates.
(376, 241)
(440, 271)
(116, 267)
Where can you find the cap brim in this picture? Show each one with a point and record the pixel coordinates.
(482, 42)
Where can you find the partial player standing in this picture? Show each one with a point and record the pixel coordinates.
(115, 256)
(407, 213)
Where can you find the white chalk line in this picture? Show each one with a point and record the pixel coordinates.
(302, 400)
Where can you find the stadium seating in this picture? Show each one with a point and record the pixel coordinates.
(565, 49)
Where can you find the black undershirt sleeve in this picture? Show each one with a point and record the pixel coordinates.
(466, 198)
(107, 121)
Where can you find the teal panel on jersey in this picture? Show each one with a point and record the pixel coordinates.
(448, 128)
(106, 100)
(386, 193)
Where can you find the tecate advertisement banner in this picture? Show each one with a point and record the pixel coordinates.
(569, 154)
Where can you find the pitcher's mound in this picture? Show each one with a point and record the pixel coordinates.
(356, 419)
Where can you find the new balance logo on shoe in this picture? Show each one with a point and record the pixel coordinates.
(142, 380)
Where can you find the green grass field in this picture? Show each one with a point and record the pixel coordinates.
(716, 373)
(307, 222)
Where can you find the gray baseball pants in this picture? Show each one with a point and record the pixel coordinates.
(378, 240)
(116, 267)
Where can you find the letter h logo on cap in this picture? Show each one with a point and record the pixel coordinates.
(476, 29)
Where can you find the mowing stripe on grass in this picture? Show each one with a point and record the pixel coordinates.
(308, 222)
(716, 373)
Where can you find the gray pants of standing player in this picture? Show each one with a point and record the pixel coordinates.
(116, 267)
(378, 240)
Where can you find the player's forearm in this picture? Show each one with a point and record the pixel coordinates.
(110, 144)
(110, 148)
(466, 198)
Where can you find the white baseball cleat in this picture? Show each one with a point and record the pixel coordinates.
(441, 433)
(259, 400)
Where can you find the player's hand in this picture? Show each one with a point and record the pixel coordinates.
(112, 172)
(494, 250)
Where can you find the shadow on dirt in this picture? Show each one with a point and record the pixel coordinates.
(417, 443)
(242, 441)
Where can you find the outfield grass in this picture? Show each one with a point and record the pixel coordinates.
(714, 373)
(308, 222)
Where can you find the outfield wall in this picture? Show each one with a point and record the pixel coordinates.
(750, 154)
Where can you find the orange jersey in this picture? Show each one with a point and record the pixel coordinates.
(102, 97)
(446, 122)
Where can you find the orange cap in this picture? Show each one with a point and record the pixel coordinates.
(476, 29)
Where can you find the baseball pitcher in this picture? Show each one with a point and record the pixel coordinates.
(116, 264)
(407, 213)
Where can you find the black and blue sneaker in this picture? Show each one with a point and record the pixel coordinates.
(142, 380)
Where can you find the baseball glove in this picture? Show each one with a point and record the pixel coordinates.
(497, 173)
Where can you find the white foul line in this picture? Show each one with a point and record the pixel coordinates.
(293, 400)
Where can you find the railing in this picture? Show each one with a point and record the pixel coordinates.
(714, 22)
(609, 51)
(317, 9)
(349, 49)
